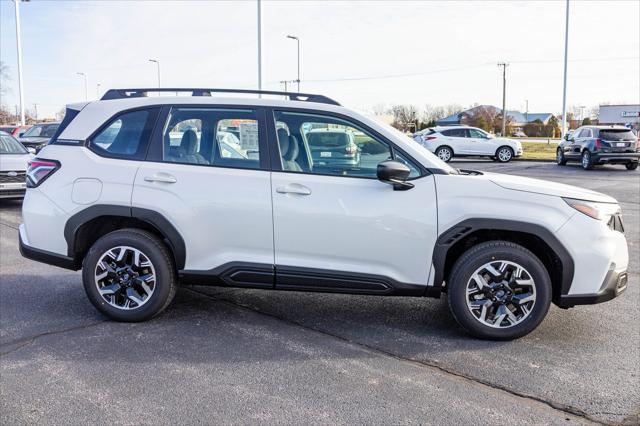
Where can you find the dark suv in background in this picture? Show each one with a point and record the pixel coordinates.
(39, 135)
(593, 145)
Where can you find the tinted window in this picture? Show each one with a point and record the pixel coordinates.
(125, 136)
(456, 133)
(617, 135)
(208, 136)
(9, 145)
(326, 145)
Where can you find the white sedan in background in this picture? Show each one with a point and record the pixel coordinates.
(14, 160)
(461, 141)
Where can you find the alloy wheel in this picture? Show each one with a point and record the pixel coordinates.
(125, 277)
(501, 294)
(444, 154)
(504, 154)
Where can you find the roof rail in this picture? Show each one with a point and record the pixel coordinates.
(137, 93)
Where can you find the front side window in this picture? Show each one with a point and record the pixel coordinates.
(211, 136)
(125, 136)
(475, 133)
(317, 144)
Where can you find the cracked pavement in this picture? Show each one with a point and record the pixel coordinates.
(222, 355)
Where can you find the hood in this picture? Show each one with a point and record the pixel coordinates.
(546, 187)
(34, 140)
(15, 162)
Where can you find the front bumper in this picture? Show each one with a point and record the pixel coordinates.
(615, 282)
(615, 157)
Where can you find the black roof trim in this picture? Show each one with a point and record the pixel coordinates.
(137, 93)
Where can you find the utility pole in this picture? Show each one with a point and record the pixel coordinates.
(504, 66)
(285, 84)
(19, 48)
(35, 111)
(86, 94)
(564, 88)
(260, 58)
(298, 41)
(158, 65)
(526, 112)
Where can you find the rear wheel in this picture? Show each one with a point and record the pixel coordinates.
(504, 154)
(560, 158)
(499, 290)
(587, 163)
(129, 275)
(631, 166)
(444, 153)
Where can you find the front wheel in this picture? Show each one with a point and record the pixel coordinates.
(587, 163)
(504, 154)
(444, 153)
(631, 166)
(129, 275)
(560, 158)
(499, 290)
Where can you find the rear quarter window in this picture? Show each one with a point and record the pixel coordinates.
(125, 136)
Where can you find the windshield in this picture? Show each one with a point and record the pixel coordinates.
(9, 145)
(41, 131)
(617, 135)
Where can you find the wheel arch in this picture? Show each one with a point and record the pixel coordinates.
(452, 243)
(87, 226)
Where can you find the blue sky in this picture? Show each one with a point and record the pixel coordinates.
(361, 53)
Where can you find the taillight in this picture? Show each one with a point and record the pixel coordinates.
(39, 170)
(638, 145)
(429, 138)
(598, 143)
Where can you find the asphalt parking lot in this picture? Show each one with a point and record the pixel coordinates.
(250, 356)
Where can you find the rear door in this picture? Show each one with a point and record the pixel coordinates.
(458, 140)
(340, 228)
(207, 174)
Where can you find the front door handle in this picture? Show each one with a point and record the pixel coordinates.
(161, 177)
(293, 188)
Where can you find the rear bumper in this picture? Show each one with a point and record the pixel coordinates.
(616, 157)
(44, 256)
(614, 284)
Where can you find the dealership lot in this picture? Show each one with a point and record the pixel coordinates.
(255, 356)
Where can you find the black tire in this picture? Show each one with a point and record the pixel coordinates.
(155, 251)
(631, 166)
(561, 160)
(444, 153)
(585, 160)
(506, 152)
(493, 252)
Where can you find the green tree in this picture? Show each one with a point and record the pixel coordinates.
(586, 121)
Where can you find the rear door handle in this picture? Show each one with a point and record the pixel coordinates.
(293, 188)
(161, 177)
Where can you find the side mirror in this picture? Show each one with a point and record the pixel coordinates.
(21, 134)
(31, 150)
(394, 173)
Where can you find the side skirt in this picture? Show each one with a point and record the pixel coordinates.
(252, 275)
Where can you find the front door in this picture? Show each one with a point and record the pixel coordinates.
(206, 174)
(336, 227)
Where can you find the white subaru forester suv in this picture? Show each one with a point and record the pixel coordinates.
(140, 193)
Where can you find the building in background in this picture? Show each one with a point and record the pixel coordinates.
(625, 115)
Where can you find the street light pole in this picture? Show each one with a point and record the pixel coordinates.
(158, 65)
(298, 42)
(504, 66)
(260, 58)
(564, 88)
(19, 48)
(86, 94)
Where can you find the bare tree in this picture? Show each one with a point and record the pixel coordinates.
(379, 109)
(405, 117)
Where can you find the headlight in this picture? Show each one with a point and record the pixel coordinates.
(599, 211)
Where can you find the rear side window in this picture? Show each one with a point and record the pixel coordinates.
(212, 137)
(617, 135)
(456, 133)
(126, 136)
